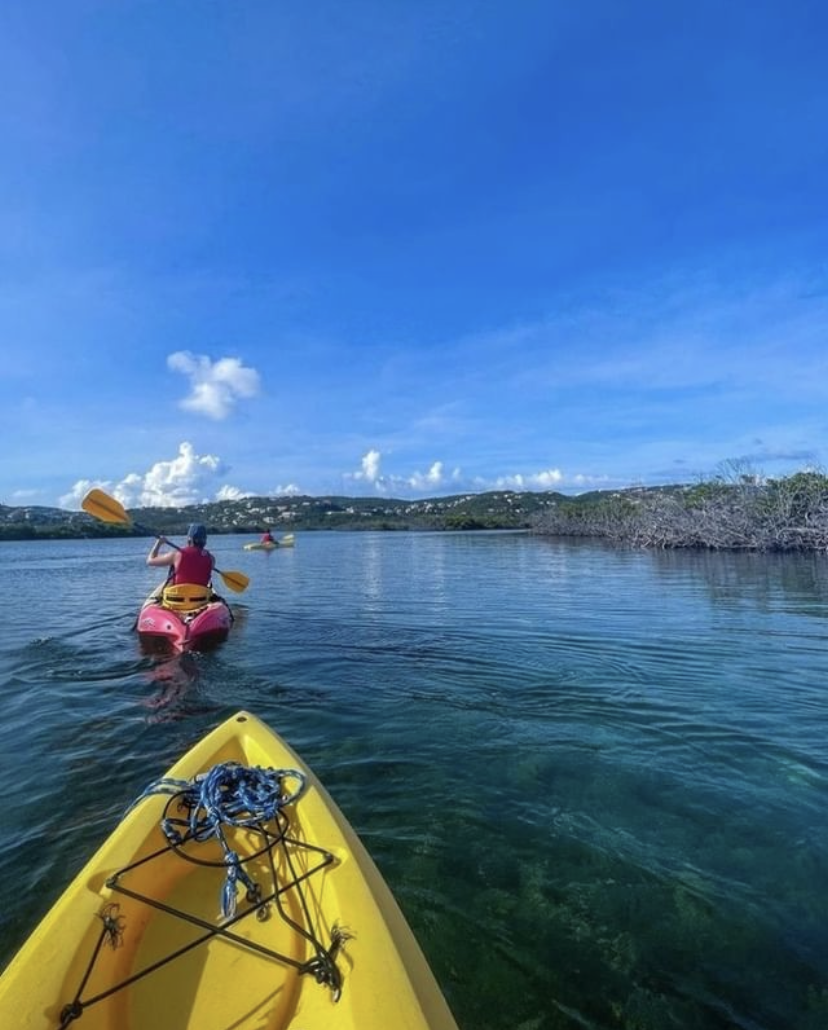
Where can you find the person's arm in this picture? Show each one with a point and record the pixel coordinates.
(156, 559)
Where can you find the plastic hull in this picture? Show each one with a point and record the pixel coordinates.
(185, 631)
(288, 540)
(318, 881)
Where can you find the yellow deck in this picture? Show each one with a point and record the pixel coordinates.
(222, 984)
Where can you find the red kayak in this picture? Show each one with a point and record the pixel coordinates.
(186, 616)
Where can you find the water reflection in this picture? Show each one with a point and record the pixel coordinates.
(595, 779)
(752, 580)
(174, 681)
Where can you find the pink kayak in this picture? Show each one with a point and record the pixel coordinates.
(185, 624)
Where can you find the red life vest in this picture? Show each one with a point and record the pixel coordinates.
(195, 565)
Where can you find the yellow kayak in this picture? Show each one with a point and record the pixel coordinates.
(234, 895)
(287, 540)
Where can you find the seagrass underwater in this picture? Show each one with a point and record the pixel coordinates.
(592, 778)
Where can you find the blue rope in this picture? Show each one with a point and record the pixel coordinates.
(229, 794)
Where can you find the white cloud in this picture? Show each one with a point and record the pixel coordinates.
(430, 480)
(231, 493)
(370, 467)
(436, 481)
(548, 479)
(80, 489)
(215, 387)
(370, 472)
(595, 481)
(188, 478)
(182, 480)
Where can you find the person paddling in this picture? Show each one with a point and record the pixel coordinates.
(191, 564)
(267, 537)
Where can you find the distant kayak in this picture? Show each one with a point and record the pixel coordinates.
(187, 617)
(263, 545)
(233, 894)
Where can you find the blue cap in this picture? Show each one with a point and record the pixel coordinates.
(198, 534)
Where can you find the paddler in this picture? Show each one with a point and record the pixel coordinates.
(190, 564)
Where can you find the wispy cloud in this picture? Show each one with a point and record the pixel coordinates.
(231, 493)
(690, 334)
(215, 387)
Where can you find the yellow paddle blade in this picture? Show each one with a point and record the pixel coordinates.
(107, 509)
(236, 581)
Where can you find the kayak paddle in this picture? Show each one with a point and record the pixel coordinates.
(107, 509)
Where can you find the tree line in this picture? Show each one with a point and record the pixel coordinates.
(735, 510)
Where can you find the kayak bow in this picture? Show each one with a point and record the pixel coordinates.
(242, 900)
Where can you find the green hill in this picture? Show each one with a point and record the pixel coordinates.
(501, 509)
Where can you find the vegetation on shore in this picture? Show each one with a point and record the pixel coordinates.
(736, 511)
(501, 509)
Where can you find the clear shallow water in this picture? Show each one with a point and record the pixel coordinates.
(596, 780)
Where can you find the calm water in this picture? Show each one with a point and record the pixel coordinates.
(596, 780)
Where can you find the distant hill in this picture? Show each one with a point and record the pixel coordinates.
(787, 514)
(499, 509)
(32, 523)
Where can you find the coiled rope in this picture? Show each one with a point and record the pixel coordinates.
(229, 794)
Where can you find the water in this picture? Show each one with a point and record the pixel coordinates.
(596, 780)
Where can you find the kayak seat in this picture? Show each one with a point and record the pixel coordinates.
(186, 597)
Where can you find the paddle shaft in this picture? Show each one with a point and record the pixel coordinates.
(158, 536)
(101, 506)
(237, 581)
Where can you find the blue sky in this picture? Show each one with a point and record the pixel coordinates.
(409, 249)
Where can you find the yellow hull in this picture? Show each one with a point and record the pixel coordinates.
(286, 541)
(229, 973)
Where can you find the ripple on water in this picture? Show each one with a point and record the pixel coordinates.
(595, 780)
